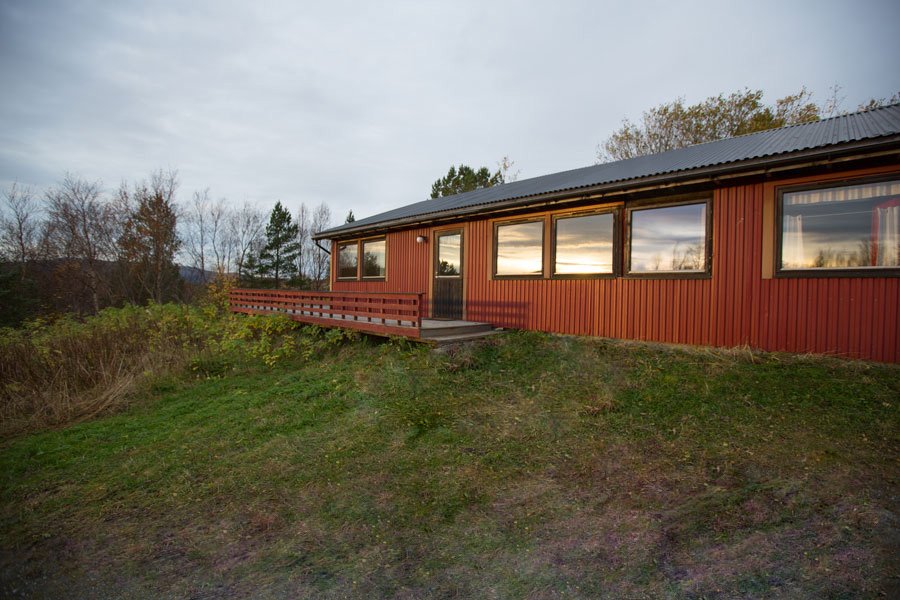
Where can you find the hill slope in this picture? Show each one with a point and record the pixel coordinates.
(529, 466)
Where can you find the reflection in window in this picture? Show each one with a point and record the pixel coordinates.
(520, 249)
(347, 260)
(449, 253)
(584, 245)
(373, 258)
(670, 239)
(841, 227)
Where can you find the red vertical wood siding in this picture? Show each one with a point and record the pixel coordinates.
(407, 270)
(853, 317)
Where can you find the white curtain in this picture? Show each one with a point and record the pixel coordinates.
(852, 192)
(888, 236)
(792, 249)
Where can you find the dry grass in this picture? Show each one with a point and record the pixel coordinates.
(63, 372)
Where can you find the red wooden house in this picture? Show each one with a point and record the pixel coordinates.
(781, 240)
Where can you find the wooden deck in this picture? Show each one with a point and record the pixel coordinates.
(379, 314)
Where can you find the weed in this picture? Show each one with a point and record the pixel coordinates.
(208, 365)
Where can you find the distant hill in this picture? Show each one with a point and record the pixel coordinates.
(195, 275)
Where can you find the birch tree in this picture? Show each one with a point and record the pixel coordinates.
(246, 228)
(19, 226)
(320, 262)
(82, 230)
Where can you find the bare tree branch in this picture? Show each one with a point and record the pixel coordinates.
(246, 229)
(82, 229)
(19, 226)
(320, 262)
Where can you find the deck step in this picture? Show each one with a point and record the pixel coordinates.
(432, 332)
(445, 340)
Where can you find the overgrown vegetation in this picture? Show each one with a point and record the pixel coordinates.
(528, 466)
(69, 369)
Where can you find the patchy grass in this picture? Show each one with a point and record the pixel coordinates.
(528, 466)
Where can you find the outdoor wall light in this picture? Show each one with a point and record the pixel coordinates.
(421, 239)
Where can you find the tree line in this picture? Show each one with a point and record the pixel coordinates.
(77, 248)
(674, 124)
(258, 250)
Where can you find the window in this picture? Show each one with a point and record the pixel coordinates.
(449, 255)
(669, 240)
(374, 258)
(348, 260)
(845, 227)
(519, 249)
(583, 245)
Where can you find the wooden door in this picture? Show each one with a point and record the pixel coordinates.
(448, 275)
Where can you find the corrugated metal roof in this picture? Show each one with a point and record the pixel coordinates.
(834, 131)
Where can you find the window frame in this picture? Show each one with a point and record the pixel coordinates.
(837, 272)
(542, 219)
(341, 245)
(615, 211)
(706, 273)
(361, 254)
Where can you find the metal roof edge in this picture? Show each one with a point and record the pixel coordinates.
(735, 168)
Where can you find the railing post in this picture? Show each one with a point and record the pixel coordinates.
(420, 300)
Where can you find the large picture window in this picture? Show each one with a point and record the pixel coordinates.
(669, 240)
(374, 258)
(583, 245)
(348, 260)
(519, 249)
(841, 227)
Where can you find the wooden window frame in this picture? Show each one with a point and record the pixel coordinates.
(706, 273)
(615, 211)
(361, 253)
(341, 245)
(836, 272)
(542, 219)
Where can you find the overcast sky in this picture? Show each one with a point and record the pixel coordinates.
(363, 105)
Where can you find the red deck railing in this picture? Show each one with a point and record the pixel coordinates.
(382, 314)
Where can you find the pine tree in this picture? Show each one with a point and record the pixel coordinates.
(464, 179)
(279, 256)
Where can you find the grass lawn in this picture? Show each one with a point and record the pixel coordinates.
(529, 466)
